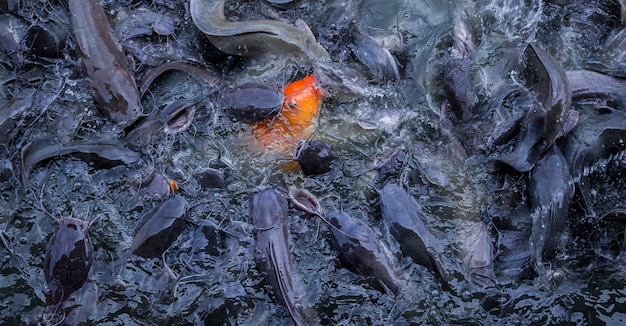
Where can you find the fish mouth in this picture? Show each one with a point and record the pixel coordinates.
(180, 120)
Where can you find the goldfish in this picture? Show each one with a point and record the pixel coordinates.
(297, 118)
(173, 186)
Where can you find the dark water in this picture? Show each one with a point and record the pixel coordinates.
(395, 127)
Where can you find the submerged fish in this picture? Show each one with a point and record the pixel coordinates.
(613, 59)
(361, 253)
(98, 154)
(314, 157)
(268, 210)
(588, 83)
(158, 185)
(548, 119)
(206, 243)
(205, 76)
(341, 35)
(380, 63)
(251, 102)
(159, 228)
(255, 38)
(175, 117)
(550, 191)
(68, 260)
(407, 225)
(478, 254)
(12, 112)
(104, 63)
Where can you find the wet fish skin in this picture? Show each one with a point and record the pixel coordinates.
(256, 38)
(156, 185)
(159, 228)
(104, 63)
(458, 88)
(251, 102)
(108, 153)
(337, 29)
(269, 213)
(283, 4)
(550, 191)
(68, 259)
(553, 91)
(341, 36)
(478, 254)
(207, 245)
(407, 225)
(209, 178)
(458, 82)
(548, 109)
(209, 78)
(13, 31)
(613, 59)
(143, 133)
(315, 157)
(12, 112)
(339, 81)
(379, 61)
(361, 253)
(588, 83)
(528, 145)
(207, 240)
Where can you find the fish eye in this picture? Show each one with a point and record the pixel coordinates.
(291, 103)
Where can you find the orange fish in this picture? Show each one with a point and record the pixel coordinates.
(296, 119)
(173, 186)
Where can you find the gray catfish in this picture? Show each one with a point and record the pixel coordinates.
(546, 123)
(550, 191)
(99, 154)
(361, 252)
(315, 157)
(478, 255)
(268, 210)
(175, 117)
(104, 63)
(407, 225)
(250, 102)
(209, 78)
(254, 38)
(589, 84)
(68, 259)
(159, 228)
(341, 35)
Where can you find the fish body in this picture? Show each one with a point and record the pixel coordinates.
(268, 210)
(407, 224)
(98, 154)
(547, 119)
(553, 91)
(68, 260)
(342, 37)
(256, 38)
(478, 255)
(314, 157)
(159, 228)
(550, 192)
(104, 63)
(297, 118)
(252, 102)
(361, 253)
